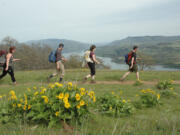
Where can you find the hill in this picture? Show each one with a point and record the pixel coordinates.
(70, 45)
(164, 49)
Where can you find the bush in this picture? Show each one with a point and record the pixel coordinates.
(168, 93)
(138, 83)
(49, 105)
(113, 105)
(162, 85)
(147, 98)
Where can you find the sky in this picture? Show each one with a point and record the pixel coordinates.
(90, 21)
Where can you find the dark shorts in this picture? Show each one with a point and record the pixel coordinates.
(134, 68)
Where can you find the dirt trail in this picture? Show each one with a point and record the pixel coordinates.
(88, 82)
(129, 82)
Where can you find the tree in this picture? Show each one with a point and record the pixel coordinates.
(9, 41)
(145, 61)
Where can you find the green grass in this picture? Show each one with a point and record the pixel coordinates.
(160, 120)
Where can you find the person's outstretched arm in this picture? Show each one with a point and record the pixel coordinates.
(132, 62)
(95, 60)
(7, 61)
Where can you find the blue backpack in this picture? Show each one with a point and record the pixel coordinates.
(126, 58)
(52, 56)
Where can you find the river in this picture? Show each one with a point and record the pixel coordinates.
(108, 61)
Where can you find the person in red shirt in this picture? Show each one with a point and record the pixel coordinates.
(133, 67)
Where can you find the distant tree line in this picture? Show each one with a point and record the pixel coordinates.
(35, 57)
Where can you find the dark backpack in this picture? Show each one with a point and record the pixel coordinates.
(128, 58)
(52, 56)
(3, 54)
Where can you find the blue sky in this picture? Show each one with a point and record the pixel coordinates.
(88, 20)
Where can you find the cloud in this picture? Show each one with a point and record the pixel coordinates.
(86, 20)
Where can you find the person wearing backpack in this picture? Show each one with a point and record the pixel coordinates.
(8, 64)
(58, 59)
(91, 60)
(130, 60)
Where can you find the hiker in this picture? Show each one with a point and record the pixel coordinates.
(59, 59)
(131, 61)
(91, 60)
(8, 64)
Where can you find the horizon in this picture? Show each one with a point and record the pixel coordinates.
(88, 21)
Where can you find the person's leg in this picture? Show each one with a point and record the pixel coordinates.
(136, 70)
(93, 72)
(11, 73)
(89, 75)
(137, 76)
(125, 75)
(55, 73)
(3, 74)
(62, 71)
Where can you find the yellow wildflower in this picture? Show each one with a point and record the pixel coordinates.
(0, 96)
(36, 93)
(29, 107)
(14, 105)
(60, 96)
(124, 101)
(28, 89)
(82, 103)
(110, 108)
(12, 93)
(35, 88)
(78, 106)
(57, 114)
(78, 97)
(94, 99)
(171, 88)
(45, 99)
(51, 86)
(67, 105)
(59, 84)
(21, 100)
(158, 96)
(91, 94)
(65, 100)
(24, 107)
(112, 92)
(19, 105)
(67, 95)
(70, 84)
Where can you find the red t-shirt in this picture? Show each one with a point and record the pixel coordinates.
(91, 55)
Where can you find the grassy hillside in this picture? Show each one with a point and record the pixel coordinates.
(164, 50)
(160, 120)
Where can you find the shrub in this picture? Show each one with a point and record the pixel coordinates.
(147, 98)
(138, 83)
(49, 105)
(168, 93)
(113, 105)
(162, 85)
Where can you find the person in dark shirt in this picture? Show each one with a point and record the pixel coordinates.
(8, 65)
(59, 63)
(91, 64)
(133, 65)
